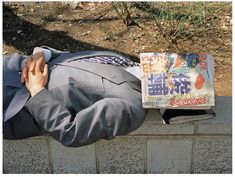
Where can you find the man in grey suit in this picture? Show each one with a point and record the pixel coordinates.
(75, 100)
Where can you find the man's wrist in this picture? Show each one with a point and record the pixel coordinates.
(34, 91)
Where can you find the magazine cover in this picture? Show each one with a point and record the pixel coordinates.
(171, 80)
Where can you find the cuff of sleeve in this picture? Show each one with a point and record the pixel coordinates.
(36, 98)
(46, 52)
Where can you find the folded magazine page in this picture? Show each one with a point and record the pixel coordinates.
(177, 81)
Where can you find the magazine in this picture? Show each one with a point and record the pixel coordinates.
(177, 81)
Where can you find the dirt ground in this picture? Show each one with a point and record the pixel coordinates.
(96, 26)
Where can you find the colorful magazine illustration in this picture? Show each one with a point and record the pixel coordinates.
(183, 81)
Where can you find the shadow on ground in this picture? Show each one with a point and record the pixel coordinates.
(34, 35)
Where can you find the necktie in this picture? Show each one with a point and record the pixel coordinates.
(117, 61)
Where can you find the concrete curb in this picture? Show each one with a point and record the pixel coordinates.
(196, 147)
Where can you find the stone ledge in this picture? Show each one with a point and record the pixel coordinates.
(29, 155)
(213, 155)
(221, 124)
(195, 147)
(124, 154)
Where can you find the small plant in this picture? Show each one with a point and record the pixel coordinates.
(178, 21)
(123, 11)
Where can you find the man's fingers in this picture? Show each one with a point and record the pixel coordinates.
(40, 64)
(32, 65)
(43, 64)
(45, 70)
(24, 73)
(25, 69)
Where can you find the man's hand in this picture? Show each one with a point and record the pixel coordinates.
(36, 77)
(30, 63)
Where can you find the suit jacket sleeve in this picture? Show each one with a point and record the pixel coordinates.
(13, 62)
(104, 119)
(11, 77)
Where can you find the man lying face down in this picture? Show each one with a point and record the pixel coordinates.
(78, 98)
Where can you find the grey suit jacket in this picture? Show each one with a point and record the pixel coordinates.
(82, 102)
